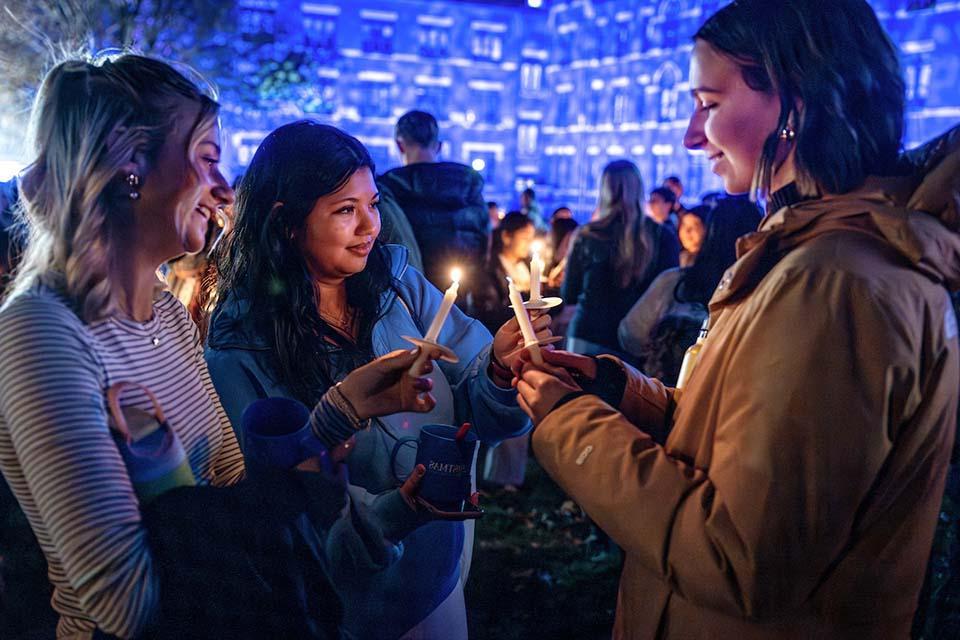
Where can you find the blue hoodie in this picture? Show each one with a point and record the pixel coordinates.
(395, 600)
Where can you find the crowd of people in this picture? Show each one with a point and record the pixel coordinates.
(787, 484)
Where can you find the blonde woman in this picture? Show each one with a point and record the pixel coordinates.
(125, 178)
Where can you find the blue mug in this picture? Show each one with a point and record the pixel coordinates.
(448, 461)
(277, 435)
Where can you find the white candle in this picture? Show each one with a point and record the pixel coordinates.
(526, 327)
(449, 297)
(433, 332)
(536, 268)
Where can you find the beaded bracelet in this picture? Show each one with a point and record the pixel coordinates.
(343, 404)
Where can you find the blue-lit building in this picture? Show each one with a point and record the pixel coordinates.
(531, 97)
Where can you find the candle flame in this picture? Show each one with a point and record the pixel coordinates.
(536, 247)
(456, 274)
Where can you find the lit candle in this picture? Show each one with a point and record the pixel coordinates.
(536, 268)
(449, 297)
(433, 332)
(526, 327)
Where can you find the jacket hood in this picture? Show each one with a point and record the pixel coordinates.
(232, 324)
(445, 185)
(916, 213)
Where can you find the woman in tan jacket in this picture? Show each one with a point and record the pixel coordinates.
(791, 489)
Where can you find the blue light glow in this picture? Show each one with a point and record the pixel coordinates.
(530, 97)
(542, 97)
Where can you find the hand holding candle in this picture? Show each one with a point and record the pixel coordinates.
(526, 327)
(433, 332)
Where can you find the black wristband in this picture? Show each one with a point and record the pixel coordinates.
(498, 368)
(609, 383)
(573, 395)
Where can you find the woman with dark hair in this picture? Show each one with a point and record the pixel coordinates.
(562, 228)
(690, 231)
(797, 492)
(509, 252)
(667, 317)
(306, 296)
(613, 259)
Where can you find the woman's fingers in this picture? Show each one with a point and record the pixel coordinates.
(542, 321)
(582, 364)
(525, 391)
(510, 326)
(399, 359)
(411, 486)
(524, 406)
(543, 335)
(422, 385)
(425, 402)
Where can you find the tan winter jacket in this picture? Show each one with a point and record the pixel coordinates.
(797, 493)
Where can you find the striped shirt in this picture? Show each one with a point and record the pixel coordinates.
(61, 462)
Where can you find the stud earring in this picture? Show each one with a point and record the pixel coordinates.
(133, 181)
(788, 134)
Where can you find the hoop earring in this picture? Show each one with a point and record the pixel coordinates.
(788, 134)
(133, 181)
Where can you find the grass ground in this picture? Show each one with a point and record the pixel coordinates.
(540, 568)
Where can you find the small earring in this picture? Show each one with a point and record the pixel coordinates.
(788, 134)
(133, 181)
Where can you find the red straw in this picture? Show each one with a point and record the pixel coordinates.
(462, 433)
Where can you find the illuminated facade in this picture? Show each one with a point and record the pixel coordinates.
(542, 97)
(529, 97)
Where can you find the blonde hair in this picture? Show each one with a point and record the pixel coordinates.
(89, 120)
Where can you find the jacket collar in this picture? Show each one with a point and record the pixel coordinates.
(232, 323)
(916, 214)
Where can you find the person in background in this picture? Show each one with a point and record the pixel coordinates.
(691, 232)
(307, 297)
(186, 274)
(509, 253)
(442, 201)
(660, 207)
(531, 208)
(791, 488)
(668, 316)
(613, 260)
(563, 229)
(673, 183)
(494, 214)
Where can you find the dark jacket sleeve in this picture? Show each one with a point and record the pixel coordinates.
(394, 226)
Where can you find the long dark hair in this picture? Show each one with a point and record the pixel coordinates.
(560, 228)
(510, 224)
(621, 221)
(834, 58)
(293, 167)
(733, 217)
